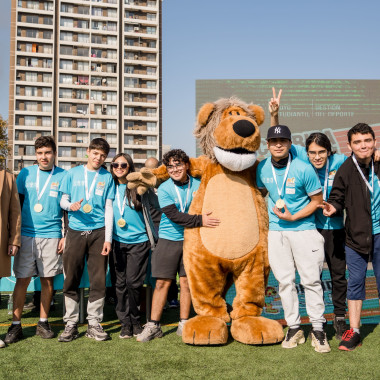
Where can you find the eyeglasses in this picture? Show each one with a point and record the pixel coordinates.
(321, 153)
(116, 165)
(171, 168)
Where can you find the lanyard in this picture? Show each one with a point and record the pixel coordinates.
(279, 190)
(121, 209)
(86, 182)
(326, 179)
(183, 208)
(364, 178)
(39, 195)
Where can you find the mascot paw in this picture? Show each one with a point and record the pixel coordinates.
(256, 330)
(141, 181)
(205, 331)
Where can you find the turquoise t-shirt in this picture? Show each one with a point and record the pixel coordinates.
(134, 231)
(73, 185)
(335, 161)
(375, 204)
(301, 183)
(167, 195)
(48, 222)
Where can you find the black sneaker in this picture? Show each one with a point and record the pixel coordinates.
(126, 332)
(44, 331)
(340, 327)
(70, 333)
(137, 329)
(14, 334)
(350, 341)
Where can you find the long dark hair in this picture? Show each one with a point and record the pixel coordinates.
(320, 139)
(131, 194)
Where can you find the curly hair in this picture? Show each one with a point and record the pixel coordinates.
(176, 155)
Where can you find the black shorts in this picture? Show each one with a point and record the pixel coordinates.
(167, 259)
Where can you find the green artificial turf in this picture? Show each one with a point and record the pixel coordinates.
(169, 358)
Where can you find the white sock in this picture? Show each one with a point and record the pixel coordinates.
(16, 322)
(356, 330)
(317, 326)
(43, 319)
(295, 327)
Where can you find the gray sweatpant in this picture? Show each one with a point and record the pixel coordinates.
(304, 251)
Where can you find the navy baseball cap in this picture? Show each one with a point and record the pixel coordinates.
(279, 132)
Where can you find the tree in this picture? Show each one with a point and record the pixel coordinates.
(4, 147)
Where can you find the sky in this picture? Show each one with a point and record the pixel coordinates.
(247, 39)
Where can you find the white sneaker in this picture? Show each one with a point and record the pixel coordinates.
(151, 331)
(319, 341)
(2, 344)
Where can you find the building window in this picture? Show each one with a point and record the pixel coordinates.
(46, 121)
(151, 140)
(46, 107)
(82, 123)
(30, 77)
(111, 124)
(66, 50)
(66, 65)
(151, 126)
(67, 22)
(96, 124)
(64, 122)
(66, 79)
(30, 121)
(151, 30)
(65, 137)
(64, 151)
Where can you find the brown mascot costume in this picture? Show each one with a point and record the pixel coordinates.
(229, 135)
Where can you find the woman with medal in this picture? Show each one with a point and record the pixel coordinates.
(130, 248)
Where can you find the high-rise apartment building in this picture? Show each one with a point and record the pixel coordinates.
(82, 69)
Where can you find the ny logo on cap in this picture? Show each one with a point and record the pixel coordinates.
(277, 130)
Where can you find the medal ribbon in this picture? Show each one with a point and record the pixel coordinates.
(121, 209)
(183, 207)
(279, 190)
(364, 178)
(326, 179)
(88, 193)
(39, 195)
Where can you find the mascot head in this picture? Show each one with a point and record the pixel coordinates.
(228, 132)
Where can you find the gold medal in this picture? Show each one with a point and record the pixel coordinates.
(121, 223)
(280, 204)
(87, 208)
(38, 207)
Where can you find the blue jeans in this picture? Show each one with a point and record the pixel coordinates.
(357, 269)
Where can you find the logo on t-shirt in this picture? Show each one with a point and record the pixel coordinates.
(100, 188)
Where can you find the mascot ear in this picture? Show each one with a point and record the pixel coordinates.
(259, 113)
(204, 113)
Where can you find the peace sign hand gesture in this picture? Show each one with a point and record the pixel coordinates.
(274, 104)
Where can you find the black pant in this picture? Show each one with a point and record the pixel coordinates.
(130, 262)
(78, 247)
(336, 261)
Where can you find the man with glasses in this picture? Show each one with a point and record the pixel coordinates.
(175, 196)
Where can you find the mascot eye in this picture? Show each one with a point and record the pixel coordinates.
(230, 113)
(238, 113)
